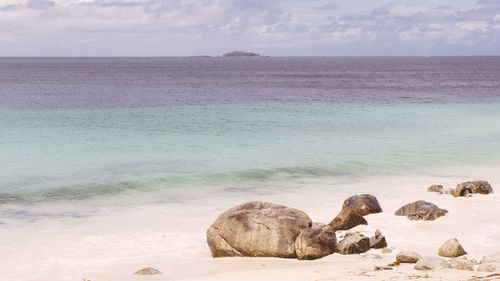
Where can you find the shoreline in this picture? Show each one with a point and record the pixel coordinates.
(117, 241)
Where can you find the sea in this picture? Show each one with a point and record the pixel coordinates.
(82, 139)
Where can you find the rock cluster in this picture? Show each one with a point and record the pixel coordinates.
(261, 229)
(464, 189)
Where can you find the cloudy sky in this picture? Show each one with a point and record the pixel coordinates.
(269, 27)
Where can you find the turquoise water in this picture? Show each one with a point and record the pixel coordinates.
(80, 153)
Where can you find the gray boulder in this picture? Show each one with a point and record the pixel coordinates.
(378, 241)
(428, 263)
(451, 249)
(408, 257)
(421, 210)
(353, 243)
(260, 229)
(466, 188)
(362, 204)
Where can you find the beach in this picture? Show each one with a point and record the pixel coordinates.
(170, 236)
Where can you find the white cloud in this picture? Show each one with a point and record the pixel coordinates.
(189, 27)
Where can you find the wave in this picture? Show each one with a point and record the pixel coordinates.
(179, 183)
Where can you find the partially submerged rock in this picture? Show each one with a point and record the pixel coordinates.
(315, 242)
(408, 257)
(466, 188)
(386, 251)
(257, 229)
(362, 204)
(451, 249)
(353, 243)
(428, 263)
(148, 271)
(378, 241)
(436, 188)
(421, 210)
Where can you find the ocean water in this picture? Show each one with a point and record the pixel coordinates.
(83, 128)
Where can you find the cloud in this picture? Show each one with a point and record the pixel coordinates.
(282, 27)
(39, 4)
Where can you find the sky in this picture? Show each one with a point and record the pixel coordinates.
(275, 28)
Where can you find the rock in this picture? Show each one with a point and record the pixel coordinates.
(451, 249)
(427, 263)
(465, 188)
(353, 243)
(386, 251)
(258, 229)
(148, 271)
(240, 54)
(436, 188)
(377, 268)
(408, 257)
(461, 264)
(362, 205)
(421, 210)
(487, 267)
(378, 241)
(315, 242)
(346, 220)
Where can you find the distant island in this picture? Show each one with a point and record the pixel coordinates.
(240, 54)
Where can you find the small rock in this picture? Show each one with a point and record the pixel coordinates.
(436, 188)
(378, 241)
(465, 188)
(377, 268)
(461, 264)
(148, 271)
(362, 205)
(386, 251)
(353, 243)
(451, 249)
(428, 263)
(408, 257)
(421, 210)
(487, 267)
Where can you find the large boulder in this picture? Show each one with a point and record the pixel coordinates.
(421, 210)
(315, 242)
(353, 243)
(260, 229)
(451, 249)
(466, 188)
(428, 263)
(378, 241)
(408, 257)
(362, 205)
(346, 220)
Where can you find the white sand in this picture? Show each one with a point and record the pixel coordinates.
(120, 240)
